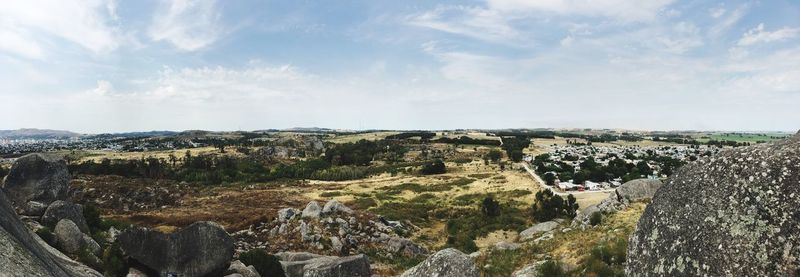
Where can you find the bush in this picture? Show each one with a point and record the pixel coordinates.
(114, 261)
(434, 167)
(490, 207)
(551, 268)
(265, 264)
(596, 218)
(494, 155)
(607, 258)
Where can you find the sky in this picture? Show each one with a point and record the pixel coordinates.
(97, 66)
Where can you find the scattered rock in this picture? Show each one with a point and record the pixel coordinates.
(35, 177)
(504, 245)
(531, 270)
(200, 249)
(59, 210)
(286, 214)
(334, 206)
(312, 210)
(534, 230)
(735, 213)
(445, 263)
(405, 247)
(68, 236)
(313, 265)
(237, 267)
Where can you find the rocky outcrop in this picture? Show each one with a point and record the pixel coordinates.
(38, 179)
(312, 210)
(733, 214)
(631, 191)
(445, 263)
(312, 265)
(25, 254)
(200, 249)
(637, 190)
(287, 214)
(334, 206)
(237, 267)
(59, 210)
(539, 228)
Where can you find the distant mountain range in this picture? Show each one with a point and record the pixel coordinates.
(30, 133)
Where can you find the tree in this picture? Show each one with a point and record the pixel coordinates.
(549, 179)
(490, 207)
(549, 206)
(495, 155)
(434, 167)
(571, 206)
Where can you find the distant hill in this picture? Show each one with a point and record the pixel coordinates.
(30, 133)
(136, 134)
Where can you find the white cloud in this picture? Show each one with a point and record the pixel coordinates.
(717, 12)
(475, 22)
(27, 25)
(759, 35)
(681, 38)
(188, 25)
(728, 20)
(624, 10)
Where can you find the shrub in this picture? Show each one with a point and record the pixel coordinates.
(434, 167)
(114, 261)
(549, 206)
(494, 155)
(607, 258)
(551, 268)
(490, 207)
(265, 264)
(596, 218)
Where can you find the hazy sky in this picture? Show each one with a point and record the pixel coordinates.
(107, 66)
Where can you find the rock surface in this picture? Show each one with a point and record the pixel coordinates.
(534, 230)
(631, 191)
(35, 177)
(334, 206)
(734, 214)
(200, 249)
(313, 265)
(445, 263)
(25, 254)
(312, 210)
(59, 210)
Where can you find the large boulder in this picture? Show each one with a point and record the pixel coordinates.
(59, 210)
(334, 206)
(312, 210)
(736, 213)
(539, 228)
(200, 249)
(36, 178)
(313, 265)
(637, 190)
(25, 254)
(445, 263)
(287, 214)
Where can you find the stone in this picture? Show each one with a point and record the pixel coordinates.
(405, 247)
(60, 209)
(237, 267)
(735, 213)
(26, 254)
(38, 178)
(334, 206)
(637, 190)
(336, 245)
(133, 272)
(534, 230)
(33, 208)
(286, 214)
(312, 210)
(445, 263)
(504, 245)
(313, 265)
(68, 236)
(200, 249)
(531, 270)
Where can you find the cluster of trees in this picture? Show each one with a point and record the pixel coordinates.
(549, 206)
(363, 152)
(433, 167)
(468, 140)
(514, 146)
(424, 135)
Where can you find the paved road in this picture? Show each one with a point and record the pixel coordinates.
(542, 183)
